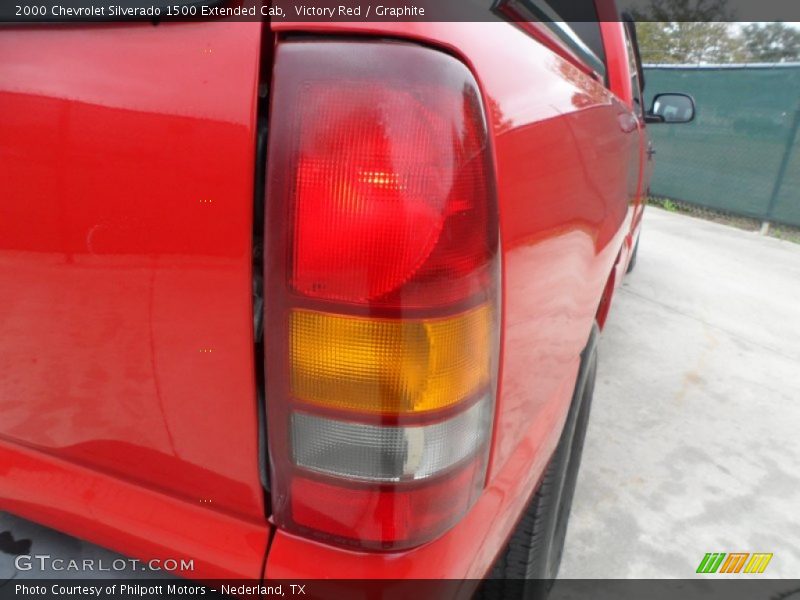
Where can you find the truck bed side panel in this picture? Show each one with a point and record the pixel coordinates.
(566, 153)
(126, 159)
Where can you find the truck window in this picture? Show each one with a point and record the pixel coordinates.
(633, 65)
(574, 22)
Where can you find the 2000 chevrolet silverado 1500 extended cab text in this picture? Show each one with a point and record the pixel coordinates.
(310, 300)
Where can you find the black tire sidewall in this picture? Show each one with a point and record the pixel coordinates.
(554, 511)
(532, 558)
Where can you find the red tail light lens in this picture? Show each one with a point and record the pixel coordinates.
(381, 313)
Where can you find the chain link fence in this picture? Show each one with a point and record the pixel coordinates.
(741, 155)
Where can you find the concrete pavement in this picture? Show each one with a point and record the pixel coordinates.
(694, 439)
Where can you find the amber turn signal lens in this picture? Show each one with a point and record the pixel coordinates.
(389, 365)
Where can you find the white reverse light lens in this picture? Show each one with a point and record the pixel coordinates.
(377, 453)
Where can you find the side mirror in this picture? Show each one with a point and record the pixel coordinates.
(671, 108)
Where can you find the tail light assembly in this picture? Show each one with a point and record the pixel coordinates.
(382, 284)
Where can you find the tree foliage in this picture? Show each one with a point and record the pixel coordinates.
(771, 42)
(688, 42)
(696, 32)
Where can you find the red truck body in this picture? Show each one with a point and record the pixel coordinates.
(128, 382)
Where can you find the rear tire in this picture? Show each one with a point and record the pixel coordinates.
(632, 262)
(530, 562)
